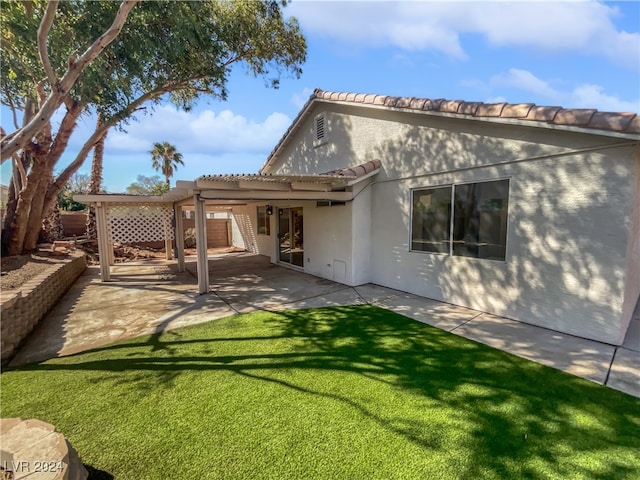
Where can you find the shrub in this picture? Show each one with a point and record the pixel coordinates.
(190, 238)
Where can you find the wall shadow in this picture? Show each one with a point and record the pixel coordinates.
(568, 223)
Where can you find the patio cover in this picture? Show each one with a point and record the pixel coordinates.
(145, 217)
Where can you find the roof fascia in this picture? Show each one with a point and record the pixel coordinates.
(363, 177)
(216, 185)
(274, 195)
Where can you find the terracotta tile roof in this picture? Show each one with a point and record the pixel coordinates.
(588, 119)
(575, 117)
(349, 172)
(357, 171)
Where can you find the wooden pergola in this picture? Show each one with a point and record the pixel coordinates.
(137, 218)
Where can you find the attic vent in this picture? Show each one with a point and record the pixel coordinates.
(320, 132)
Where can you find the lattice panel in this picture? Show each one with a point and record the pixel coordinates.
(139, 223)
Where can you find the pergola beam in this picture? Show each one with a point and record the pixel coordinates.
(254, 185)
(270, 195)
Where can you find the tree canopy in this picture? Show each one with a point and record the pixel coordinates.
(78, 184)
(148, 186)
(175, 51)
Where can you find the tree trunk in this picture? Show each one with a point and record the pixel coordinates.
(9, 219)
(52, 229)
(95, 186)
(23, 208)
(36, 214)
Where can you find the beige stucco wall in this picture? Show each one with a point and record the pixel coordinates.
(571, 246)
(327, 238)
(566, 247)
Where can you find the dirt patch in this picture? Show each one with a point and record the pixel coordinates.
(16, 270)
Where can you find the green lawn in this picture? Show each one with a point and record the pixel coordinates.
(336, 393)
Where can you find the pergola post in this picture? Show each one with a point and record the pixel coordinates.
(201, 245)
(103, 242)
(112, 255)
(179, 234)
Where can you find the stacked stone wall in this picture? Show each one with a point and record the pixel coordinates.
(21, 309)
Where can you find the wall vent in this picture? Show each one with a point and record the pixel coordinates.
(320, 127)
(329, 203)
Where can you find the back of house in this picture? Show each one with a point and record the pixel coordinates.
(527, 212)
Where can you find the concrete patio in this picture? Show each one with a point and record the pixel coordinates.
(151, 297)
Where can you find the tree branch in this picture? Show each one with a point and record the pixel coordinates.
(13, 112)
(68, 172)
(19, 174)
(99, 45)
(64, 86)
(64, 133)
(43, 33)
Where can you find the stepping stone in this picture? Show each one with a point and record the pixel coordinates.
(32, 449)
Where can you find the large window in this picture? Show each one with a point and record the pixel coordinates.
(476, 226)
(264, 226)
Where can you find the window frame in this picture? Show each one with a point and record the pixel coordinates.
(266, 219)
(452, 218)
(434, 187)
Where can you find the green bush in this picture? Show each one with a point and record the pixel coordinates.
(190, 238)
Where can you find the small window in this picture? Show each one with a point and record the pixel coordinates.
(468, 220)
(264, 225)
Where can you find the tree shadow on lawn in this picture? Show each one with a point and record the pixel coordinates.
(524, 418)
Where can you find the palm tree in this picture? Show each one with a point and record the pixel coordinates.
(165, 158)
(95, 184)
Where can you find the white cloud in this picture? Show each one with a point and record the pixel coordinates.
(206, 132)
(299, 99)
(581, 26)
(581, 96)
(524, 80)
(497, 99)
(593, 96)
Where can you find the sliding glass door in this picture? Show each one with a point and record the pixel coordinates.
(290, 236)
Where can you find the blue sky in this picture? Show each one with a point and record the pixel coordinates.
(573, 53)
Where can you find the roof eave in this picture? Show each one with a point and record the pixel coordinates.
(314, 99)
